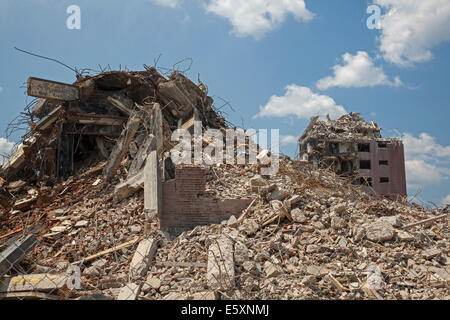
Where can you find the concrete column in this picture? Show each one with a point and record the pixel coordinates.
(152, 186)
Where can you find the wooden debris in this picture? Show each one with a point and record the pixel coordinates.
(425, 221)
(108, 251)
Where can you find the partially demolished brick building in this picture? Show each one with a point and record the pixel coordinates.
(354, 148)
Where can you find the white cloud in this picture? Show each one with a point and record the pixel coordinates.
(427, 162)
(1, 89)
(252, 17)
(446, 200)
(419, 172)
(357, 71)
(286, 140)
(5, 149)
(301, 102)
(411, 28)
(257, 17)
(167, 3)
(424, 145)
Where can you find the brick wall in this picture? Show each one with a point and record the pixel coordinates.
(183, 209)
(395, 170)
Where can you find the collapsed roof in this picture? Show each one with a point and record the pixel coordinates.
(349, 127)
(79, 123)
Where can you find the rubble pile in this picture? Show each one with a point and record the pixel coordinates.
(81, 229)
(349, 127)
(75, 126)
(314, 236)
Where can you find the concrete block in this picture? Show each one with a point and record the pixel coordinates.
(142, 258)
(220, 271)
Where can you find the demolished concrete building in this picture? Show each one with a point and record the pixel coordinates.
(92, 196)
(352, 147)
(121, 116)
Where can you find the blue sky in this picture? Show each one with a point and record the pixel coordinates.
(277, 62)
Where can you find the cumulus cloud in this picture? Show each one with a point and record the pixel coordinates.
(410, 29)
(357, 71)
(424, 145)
(427, 162)
(420, 173)
(252, 17)
(6, 148)
(301, 102)
(286, 140)
(257, 17)
(167, 3)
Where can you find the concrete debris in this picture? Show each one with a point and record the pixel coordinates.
(142, 258)
(271, 270)
(379, 231)
(94, 183)
(298, 216)
(129, 292)
(220, 274)
(15, 253)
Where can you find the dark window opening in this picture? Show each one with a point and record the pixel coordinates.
(384, 163)
(384, 180)
(365, 181)
(333, 148)
(364, 147)
(382, 145)
(364, 164)
(347, 166)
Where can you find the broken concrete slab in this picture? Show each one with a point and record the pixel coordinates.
(258, 182)
(129, 187)
(279, 194)
(122, 103)
(380, 231)
(338, 223)
(298, 216)
(292, 201)
(142, 258)
(220, 272)
(15, 253)
(53, 90)
(395, 221)
(129, 292)
(153, 282)
(271, 270)
(404, 236)
(33, 282)
(431, 253)
(141, 156)
(121, 147)
(317, 271)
